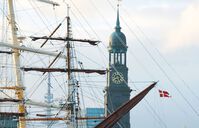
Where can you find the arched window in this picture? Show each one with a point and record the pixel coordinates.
(123, 58)
(118, 58)
(112, 58)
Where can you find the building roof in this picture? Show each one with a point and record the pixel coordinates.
(117, 41)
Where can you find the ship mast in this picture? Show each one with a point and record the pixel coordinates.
(16, 63)
(72, 82)
(72, 102)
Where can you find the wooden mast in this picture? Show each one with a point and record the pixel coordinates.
(68, 64)
(16, 63)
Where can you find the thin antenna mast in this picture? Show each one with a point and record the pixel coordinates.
(49, 98)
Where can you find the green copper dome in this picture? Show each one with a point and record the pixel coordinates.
(117, 41)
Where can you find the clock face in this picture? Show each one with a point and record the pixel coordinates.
(117, 77)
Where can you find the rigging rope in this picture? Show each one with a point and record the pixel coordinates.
(161, 69)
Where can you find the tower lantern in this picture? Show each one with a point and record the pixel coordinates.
(117, 45)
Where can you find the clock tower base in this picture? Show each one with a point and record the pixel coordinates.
(115, 97)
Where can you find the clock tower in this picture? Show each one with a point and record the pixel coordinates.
(117, 91)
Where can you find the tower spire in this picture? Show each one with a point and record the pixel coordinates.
(117, 28)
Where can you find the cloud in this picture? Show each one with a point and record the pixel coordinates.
(185, 33)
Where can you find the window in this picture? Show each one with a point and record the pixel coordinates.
(112, 58)
(123, 58)
(118, 58)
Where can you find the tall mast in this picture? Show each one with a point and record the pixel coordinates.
(16, 63)
(72, 82)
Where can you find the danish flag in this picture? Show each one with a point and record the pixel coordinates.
(164, 94)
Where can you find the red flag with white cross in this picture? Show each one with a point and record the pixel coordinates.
(164, 93)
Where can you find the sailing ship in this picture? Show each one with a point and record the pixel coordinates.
(19, 110)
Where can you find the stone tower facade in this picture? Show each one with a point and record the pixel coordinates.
(117, 91)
